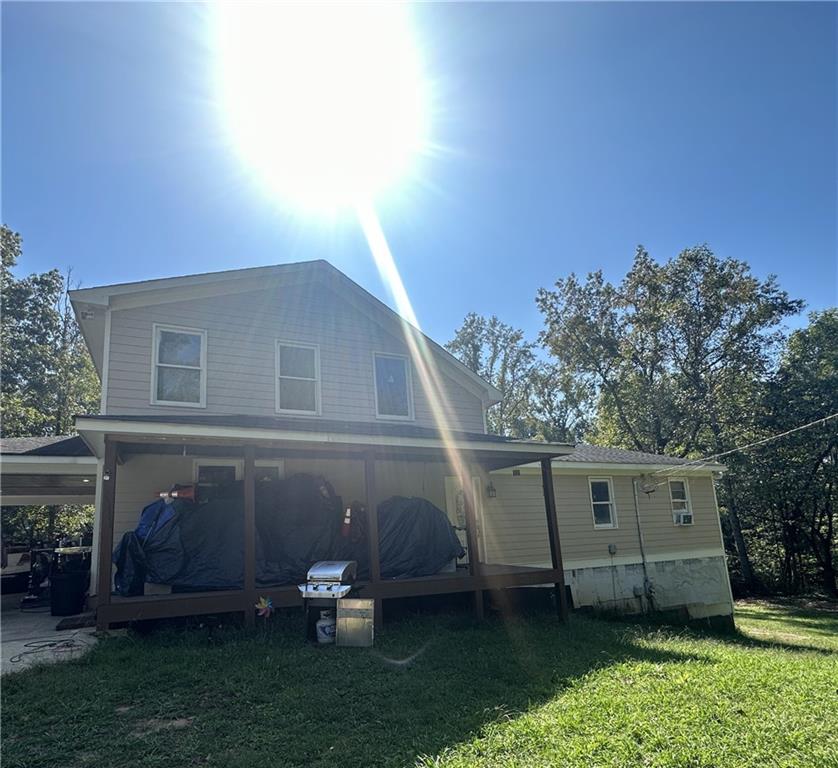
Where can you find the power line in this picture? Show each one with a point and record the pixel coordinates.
(706, 460)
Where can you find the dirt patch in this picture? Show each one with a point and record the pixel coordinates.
(123, 709)
(155, 725)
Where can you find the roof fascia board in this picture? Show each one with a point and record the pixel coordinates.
(96, 351)
(574, 468)
(163, 430)
(46, 465)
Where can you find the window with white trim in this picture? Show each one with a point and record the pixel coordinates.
(214, 473)
(393, 387)
(179, 375)
(211, 474)
(602, 502)
(297, 378)
(679, 496)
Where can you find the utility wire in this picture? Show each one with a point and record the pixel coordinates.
(706, 460)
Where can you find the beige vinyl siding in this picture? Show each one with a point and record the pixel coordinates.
(514, 525)
(242, 330)
(663, 536)
(514, 529)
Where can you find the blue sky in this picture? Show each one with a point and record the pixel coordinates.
(573, 133)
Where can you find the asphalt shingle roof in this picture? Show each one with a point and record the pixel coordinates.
(54, 445)
(596, 454)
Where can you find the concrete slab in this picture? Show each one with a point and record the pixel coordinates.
(29, 637)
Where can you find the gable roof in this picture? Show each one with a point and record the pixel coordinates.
(89, 303)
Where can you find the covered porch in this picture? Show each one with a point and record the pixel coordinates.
(367, 462)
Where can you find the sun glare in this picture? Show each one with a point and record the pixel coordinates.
(325, 102)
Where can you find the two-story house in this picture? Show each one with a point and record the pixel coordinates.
(276, 371)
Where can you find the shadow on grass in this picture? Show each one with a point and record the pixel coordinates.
(267, 699)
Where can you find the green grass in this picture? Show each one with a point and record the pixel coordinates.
(442, 691)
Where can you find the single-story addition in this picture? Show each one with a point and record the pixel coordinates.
(255, 385)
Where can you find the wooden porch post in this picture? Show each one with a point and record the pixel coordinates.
(372, 532)
(249, 478)
(553, 533)
(471, 540)
(106, 515)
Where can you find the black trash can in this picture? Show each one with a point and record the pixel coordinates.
(67, 592)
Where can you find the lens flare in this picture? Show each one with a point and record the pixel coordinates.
(326, 103)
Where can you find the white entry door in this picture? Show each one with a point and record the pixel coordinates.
(455, 509)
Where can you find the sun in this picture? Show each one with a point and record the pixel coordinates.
(326, 103)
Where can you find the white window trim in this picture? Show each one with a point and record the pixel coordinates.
(411, 415)
(304, 345)
(198, 463)
(155, 336)
(689, 510)
(613, 523)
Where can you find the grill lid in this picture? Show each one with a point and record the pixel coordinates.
(336, 571)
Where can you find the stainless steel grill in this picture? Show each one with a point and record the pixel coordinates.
(329, 580)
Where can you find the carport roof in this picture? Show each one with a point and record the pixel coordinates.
(53, 445)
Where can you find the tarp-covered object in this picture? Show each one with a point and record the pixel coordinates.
(297, 523)
(415, 538)
(195, 546)
(152, 552)
(200, 546)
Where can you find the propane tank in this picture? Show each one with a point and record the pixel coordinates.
(326, 627)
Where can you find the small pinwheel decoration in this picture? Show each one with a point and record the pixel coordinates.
(265, 607)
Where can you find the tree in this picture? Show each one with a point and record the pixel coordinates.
(501, 355)
(47, 377)
(558, 412)
(672, 355)
(793, 491)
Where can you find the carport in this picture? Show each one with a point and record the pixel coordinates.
(44, 471)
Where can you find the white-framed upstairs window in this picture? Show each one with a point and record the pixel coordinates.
(603, 507)
(393, 387)
(179, 366)
(679, 497)
(297, 378)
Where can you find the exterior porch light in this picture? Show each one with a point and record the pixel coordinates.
(491, 491)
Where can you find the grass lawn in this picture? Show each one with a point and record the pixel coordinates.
(442, 691)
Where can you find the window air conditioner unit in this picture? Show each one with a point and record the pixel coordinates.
(683, 518)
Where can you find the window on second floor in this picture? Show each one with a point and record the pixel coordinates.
(393, 388)
(179, 375)
(602, 502)
(297, 378)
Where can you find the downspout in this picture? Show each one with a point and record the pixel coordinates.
(647, 584)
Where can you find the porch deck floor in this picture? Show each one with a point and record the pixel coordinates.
(486, 569)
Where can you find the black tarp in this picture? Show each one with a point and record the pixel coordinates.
(298, 522)
(415, 538)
